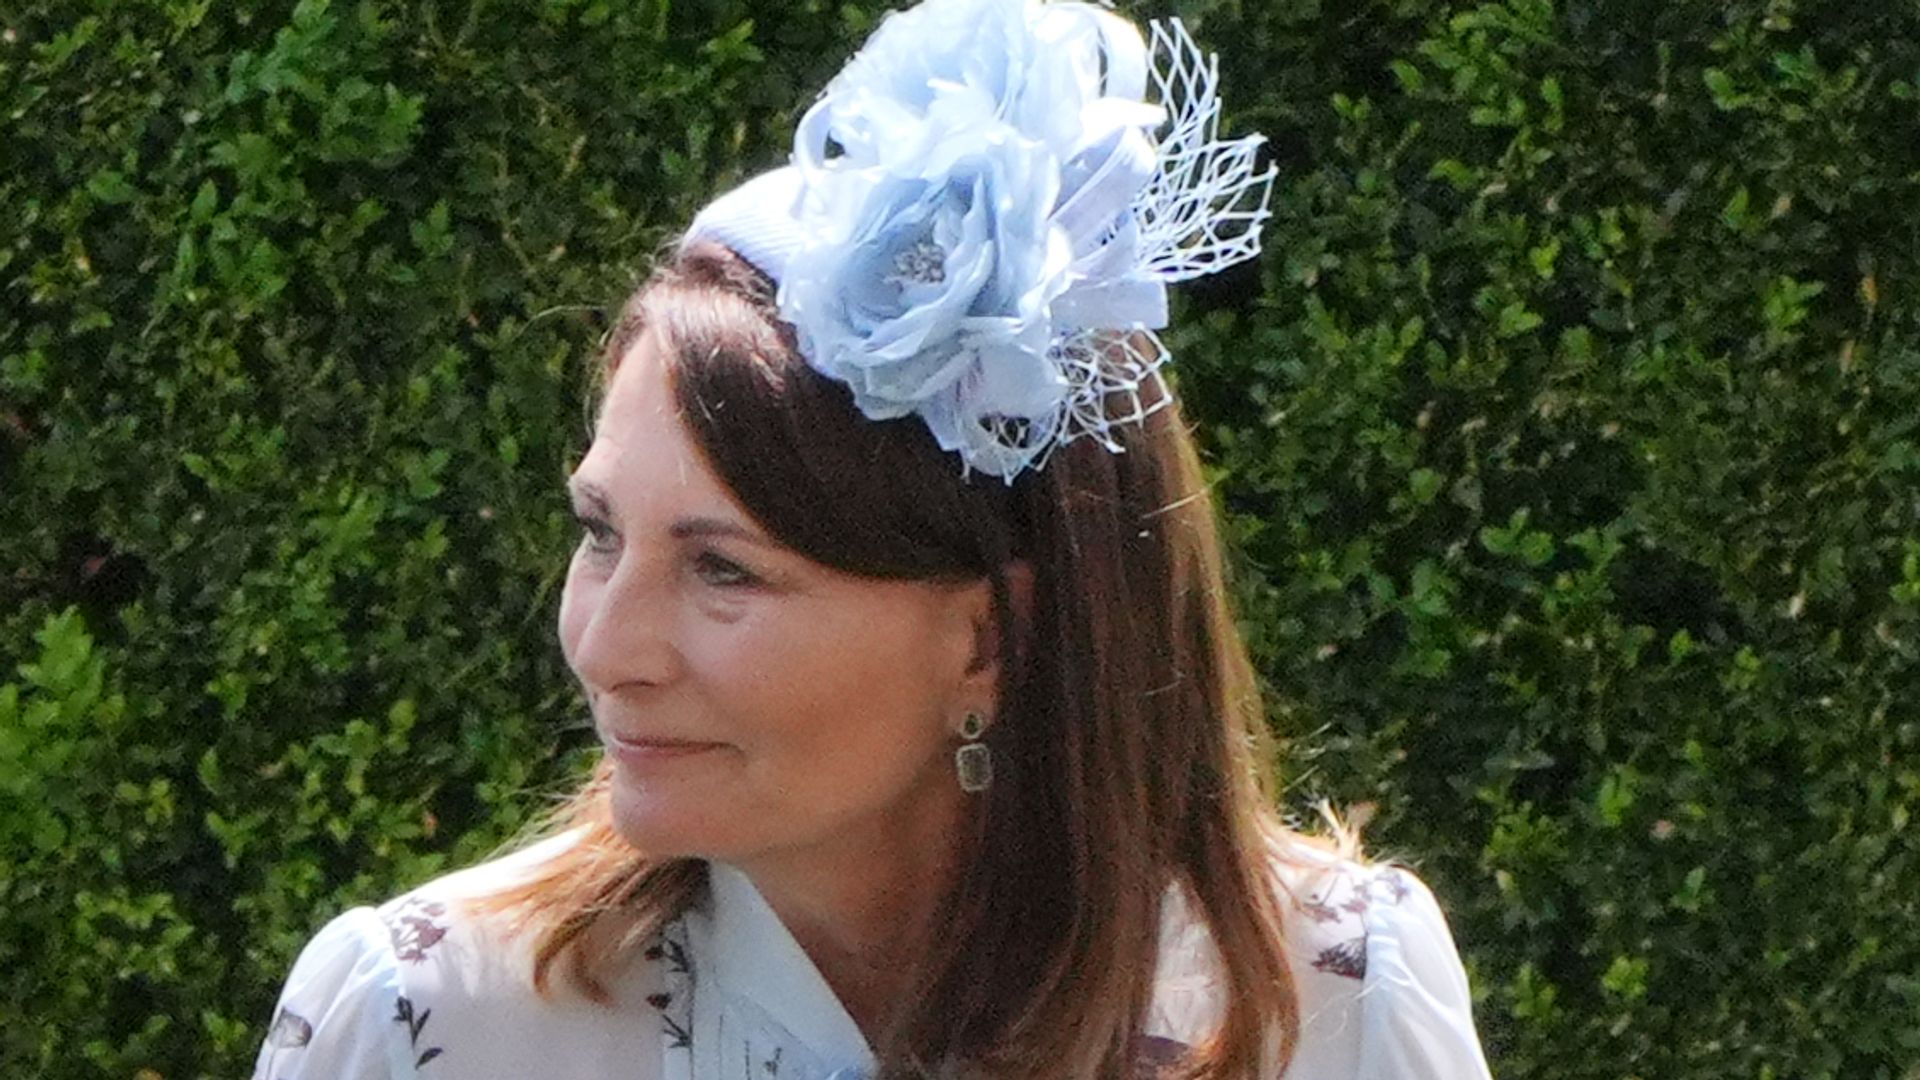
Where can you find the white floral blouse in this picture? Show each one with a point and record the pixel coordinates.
(413, 990)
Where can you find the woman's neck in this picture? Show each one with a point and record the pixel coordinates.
(862, 905)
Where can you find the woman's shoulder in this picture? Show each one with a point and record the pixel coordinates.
(442, 942)
(425, 983)
(1332, 900)
(1381, 988)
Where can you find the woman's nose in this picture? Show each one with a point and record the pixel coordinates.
(630, 629)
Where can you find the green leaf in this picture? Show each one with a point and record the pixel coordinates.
(1543, 258)
(110, 187)
(1516, 319)
(1626, 977)
(1720, 85)
(1409, 77)
(1616, 795)
(205, 201)
(1425, 484)
(1737, 213)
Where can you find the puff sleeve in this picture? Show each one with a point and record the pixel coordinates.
(343, 1013)
(1416, 1010)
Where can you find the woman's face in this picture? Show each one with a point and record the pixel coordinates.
(753, 703)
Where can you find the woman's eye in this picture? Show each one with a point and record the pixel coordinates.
(730, 573)
(598, 533)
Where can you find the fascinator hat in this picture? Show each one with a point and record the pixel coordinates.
(983, 211)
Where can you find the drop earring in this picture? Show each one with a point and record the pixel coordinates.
(973, 761)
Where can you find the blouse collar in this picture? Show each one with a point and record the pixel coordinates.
(757, 958)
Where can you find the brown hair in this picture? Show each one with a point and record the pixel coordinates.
(1131, 747)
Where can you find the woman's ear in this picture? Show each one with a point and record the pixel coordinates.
(989, 652)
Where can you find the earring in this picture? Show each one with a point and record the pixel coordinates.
(973, 761)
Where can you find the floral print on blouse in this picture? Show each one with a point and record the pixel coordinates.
(415, 990)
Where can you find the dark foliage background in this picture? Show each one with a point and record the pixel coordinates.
(1567, 436)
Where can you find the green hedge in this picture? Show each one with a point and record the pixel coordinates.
(1567, 436)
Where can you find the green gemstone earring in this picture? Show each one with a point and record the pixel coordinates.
(973, 761)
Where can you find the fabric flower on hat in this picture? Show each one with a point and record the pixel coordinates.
(929, 278)
(982, 213)
(935, 280)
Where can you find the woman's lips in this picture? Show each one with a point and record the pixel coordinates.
(641, 751)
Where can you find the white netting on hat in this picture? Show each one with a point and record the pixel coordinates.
(1201, 212)
(1115, 381)
(1204, 207)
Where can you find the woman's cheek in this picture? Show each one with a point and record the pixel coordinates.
(577, 597)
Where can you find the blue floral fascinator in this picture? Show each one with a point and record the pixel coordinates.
(983, 211)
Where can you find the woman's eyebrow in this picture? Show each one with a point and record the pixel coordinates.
(692, 527)
(590, 491)
(684, 529)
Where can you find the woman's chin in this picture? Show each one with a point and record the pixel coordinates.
(667, 826)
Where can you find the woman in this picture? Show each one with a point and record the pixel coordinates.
(931, 747)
